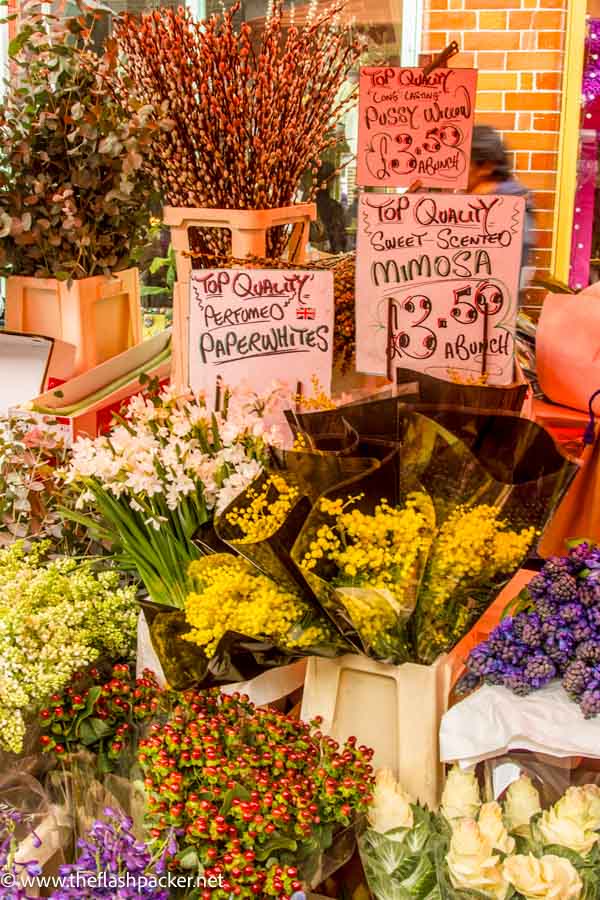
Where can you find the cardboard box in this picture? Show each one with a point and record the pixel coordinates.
(86, 403)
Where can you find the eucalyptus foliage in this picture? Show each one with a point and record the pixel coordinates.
(74, 198)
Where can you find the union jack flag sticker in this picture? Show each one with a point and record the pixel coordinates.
(306, 312)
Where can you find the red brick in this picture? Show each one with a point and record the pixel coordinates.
(543, 239)
(497, 81)
(487, 101)
(490, 4)
(553, 4)
(540, 180)
(546, 122)
(526, 81)
(463, 61)
(542, 61)
(489, 61)
(543, 161)
(434, 40)
(522, 162)
(444, 21)
(492, 20)
(438, 4)
(492, 40)
(544, 200)
(531, 100)
(544, 219)
(548, 81)
(543, 259)
(502, 121)
(525, 121)
(550, 40)
(548, 21)
(520, 20)
(522, 140)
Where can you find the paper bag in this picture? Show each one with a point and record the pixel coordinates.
(578, 515)
(568, 347)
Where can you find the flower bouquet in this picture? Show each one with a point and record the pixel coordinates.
(254, 797)
(55, 618)
(31, 492)
(104, 716)
(481, 850)
(112, 862)
(109, 862)
(553, 633)
(479, 514)
(159, 476)
(231, 595)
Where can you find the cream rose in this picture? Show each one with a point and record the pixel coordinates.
(471, 861)
(492, 827)
(521, 805)
(390, 807)
(557, 828)
(573, 805)
(592, 796)
(548, 878)
(460, 799)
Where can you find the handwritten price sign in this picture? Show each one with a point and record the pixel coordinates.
(415, 127)
(437, 281)
(257, 326)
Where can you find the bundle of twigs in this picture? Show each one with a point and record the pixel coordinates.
(246, 115)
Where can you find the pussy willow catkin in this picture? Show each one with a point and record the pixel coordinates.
(247, 112)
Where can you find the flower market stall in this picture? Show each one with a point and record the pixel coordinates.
(276, 615)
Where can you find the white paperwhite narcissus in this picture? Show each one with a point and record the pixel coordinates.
(492, 827)
(472, 863)
(522, 803)
(548, 878)
(173, 448)
(390, 807)
(460, 798)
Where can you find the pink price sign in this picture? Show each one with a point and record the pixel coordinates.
(437, 282)
(415, 127)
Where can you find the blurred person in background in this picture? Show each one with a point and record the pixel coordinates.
(328, 233)
(490, 173)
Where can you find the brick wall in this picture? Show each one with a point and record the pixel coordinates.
(517, 46)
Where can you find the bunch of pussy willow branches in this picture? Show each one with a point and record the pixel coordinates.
(249, 111)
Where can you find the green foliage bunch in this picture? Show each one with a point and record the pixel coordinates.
(74, 197)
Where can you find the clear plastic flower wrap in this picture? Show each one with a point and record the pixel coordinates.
(35, 833)
(493, 481)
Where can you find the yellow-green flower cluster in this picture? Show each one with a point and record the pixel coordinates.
(55, 618)
(473, 547)
(231, 595)
(377, 550)
(266, 510)
(377, 559)
(318, 401)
